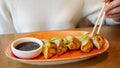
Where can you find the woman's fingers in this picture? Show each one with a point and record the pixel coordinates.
(106, 1)
(114, 11)
(112, 5)
(113, 15)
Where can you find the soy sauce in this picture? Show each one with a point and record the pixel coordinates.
(27, 46)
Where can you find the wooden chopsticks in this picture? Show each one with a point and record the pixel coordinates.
(102, 18)
(99, 19)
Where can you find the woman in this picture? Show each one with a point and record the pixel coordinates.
(18, 16)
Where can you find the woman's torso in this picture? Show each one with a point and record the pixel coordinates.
(40, 15)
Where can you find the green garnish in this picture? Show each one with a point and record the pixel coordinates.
(56, 38)
(71, 36)
(47, 42)
(66, 42)
(84, 36)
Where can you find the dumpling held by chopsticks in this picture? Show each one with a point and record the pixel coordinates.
(87, 44)
(98, 41)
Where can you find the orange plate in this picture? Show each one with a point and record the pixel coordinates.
(70, 56)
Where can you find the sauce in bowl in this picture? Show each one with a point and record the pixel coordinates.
(27, 46)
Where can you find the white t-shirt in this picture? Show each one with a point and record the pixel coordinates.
(18, 16)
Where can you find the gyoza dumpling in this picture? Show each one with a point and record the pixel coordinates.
(87, 44)
(49, 49)
(98, 41)
(72, 42)
(61, 48)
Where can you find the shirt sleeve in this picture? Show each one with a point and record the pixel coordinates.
(6, 24)
(110, 21)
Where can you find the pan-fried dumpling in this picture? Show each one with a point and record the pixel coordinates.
(87, 44)
(72, 42)
(98, 41)
(49, 49)
(61, 48)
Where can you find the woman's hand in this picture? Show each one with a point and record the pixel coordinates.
(113, 9)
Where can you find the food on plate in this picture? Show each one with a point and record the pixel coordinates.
(61, 47)
(84, 43)
(87, 44)
(98, 41)
(72, 42)
(49, 49)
